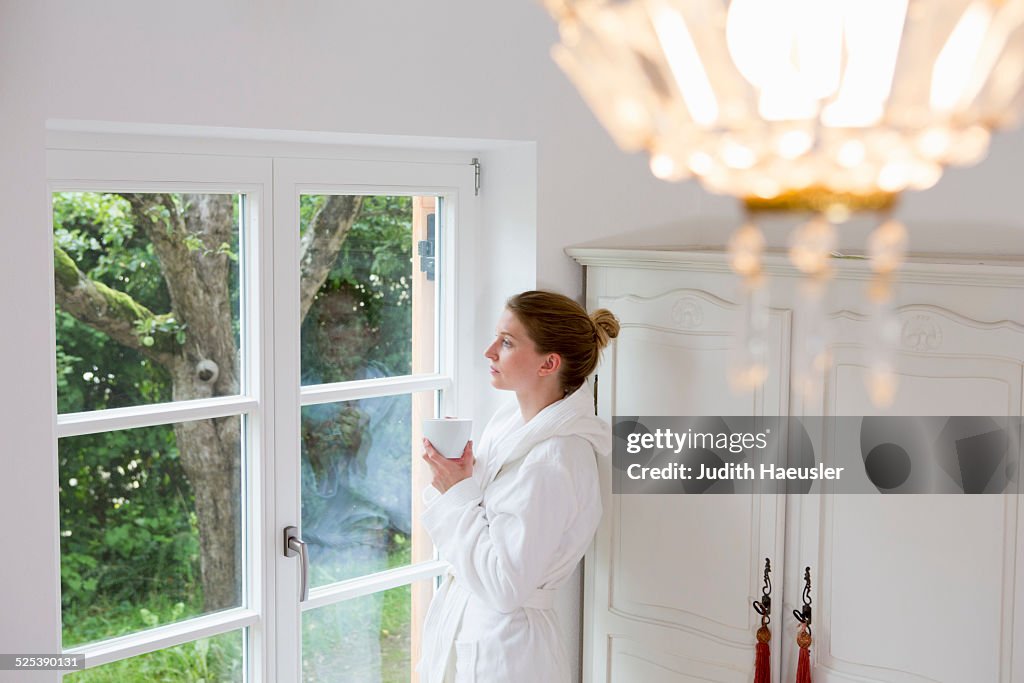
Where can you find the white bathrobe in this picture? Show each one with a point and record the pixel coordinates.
(513, 533)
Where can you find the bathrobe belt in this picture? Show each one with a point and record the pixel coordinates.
(542, 598)
(444, 631)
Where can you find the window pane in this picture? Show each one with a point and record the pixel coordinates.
(150, 527)
(210, 660)
(147, 290)
(357, 483)
(368, 295)
(368, 639)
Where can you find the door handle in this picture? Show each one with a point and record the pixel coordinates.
(294, 545)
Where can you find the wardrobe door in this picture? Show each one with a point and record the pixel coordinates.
(671, 578)
(918, 587)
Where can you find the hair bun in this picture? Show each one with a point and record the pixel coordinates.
(606, 325)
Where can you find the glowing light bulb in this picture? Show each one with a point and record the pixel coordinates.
(852, 153)
(685, 64)
(872, 31)
(934, 142)
(951, 75)
(794, 143)
(969, 147)
(663, 166)
(701, 163)
(894, 176)
(924, 174)
(738, 156)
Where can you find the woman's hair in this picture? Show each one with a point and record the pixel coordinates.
(557, 324)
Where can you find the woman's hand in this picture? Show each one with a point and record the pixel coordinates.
(448, 472)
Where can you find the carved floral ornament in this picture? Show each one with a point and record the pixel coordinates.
(687, 313)
(921, 333)
(819, 109)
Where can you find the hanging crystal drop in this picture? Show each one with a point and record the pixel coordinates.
(887, 246)
(748, 367)
(811, 350)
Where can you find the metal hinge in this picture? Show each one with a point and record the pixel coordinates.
(476, 175)
(426, 248)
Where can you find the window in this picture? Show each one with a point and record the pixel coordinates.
(245, 344)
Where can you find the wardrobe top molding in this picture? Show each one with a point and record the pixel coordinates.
(927, 269)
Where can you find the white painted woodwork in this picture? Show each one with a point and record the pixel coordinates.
(272, 394)
(658, 558)
(906, 589)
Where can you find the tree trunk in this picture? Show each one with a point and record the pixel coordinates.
(210, 458)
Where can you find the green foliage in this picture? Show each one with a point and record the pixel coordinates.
(164, 325)
(98, 231)
(128, 525)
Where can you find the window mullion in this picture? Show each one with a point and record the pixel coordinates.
(164, 637)
(374, 583)
(373, 388)
(113, 419)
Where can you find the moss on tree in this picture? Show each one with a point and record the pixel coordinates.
(64, 269)
(122, 305)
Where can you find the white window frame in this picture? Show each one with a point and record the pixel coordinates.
(97, 161)
(87, 170)
(297, 176)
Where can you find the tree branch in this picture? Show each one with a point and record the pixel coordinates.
(113, 313)
(322, 242)
(159, 217)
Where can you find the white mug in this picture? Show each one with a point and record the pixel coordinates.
(448, 436)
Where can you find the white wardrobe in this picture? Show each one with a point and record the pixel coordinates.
(906, 588)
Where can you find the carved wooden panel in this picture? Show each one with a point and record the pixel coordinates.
(683, 570)
(920, 588)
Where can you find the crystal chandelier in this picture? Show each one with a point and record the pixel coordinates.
(817, 108)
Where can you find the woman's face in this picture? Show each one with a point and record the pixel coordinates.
(515, 363)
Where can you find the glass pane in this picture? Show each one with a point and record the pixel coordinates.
(358, 483)
(368, 286)
(150, 527)
(210, 660)
(147, 297)
(366, 640)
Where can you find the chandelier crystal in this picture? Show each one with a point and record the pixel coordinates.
(798, 103)
(819, 107)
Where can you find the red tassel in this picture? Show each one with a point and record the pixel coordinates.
(803, 666)
(762, 661)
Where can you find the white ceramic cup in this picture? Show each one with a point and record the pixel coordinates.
(448, 435)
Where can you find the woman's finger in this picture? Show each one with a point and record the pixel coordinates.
(429, 447)
(430, 463)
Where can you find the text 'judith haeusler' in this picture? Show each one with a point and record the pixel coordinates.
(715, 455)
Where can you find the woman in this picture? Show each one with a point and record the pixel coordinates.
(515, 523)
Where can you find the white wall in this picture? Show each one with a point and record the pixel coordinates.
(451, 68)
(27, 458)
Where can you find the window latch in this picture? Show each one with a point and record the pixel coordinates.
(426, 249)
